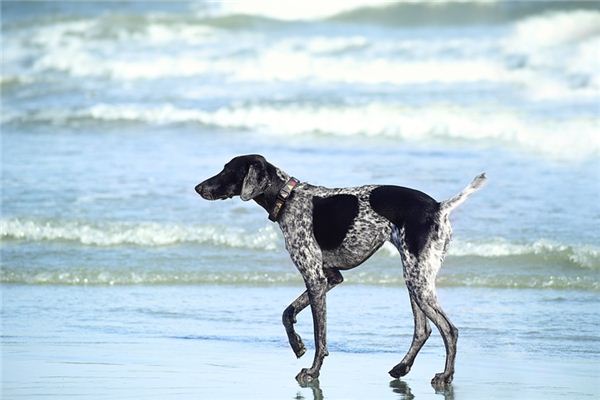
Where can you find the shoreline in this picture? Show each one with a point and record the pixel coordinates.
(175, 368)
(227, 343)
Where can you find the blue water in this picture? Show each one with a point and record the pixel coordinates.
(112, 113)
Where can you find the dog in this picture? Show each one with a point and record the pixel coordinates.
(331, 230)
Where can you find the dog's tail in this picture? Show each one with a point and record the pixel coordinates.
(448, 205)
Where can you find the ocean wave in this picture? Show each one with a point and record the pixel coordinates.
(317, 59)
(336, 61)
(115, 276)
(290, 10)
(571, 139)
(556, 28)
(152, 234)
(140, 234)
(399, 13)
(152, 47)
(508, 281)
(101, 47)
(583, 256)
(412, 13)
(91, 276)
(544, 42)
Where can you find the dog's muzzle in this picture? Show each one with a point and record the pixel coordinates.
(201, 190)
(207, 193)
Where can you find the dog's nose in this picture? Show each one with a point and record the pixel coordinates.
(202, 191)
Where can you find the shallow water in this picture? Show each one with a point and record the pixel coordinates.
(112, 113)
(226, 341)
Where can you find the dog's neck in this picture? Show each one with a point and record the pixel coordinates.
(277, 179)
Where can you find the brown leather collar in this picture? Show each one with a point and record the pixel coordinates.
(282, 197)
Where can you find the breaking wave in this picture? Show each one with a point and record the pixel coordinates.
(570, 139)
(115, 276)
(183, 46)
(139, 234)
(542, 43)
(402, 13)
(290, 10)
(151, 234)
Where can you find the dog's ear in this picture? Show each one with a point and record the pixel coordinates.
(255, 181)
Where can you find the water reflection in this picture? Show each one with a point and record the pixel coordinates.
(315, 386)
(400, 387)
(446, 390)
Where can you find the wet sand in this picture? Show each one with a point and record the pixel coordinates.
(211, 370)
(79, 366)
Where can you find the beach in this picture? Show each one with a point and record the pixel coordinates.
(224, 342)
(119, 281)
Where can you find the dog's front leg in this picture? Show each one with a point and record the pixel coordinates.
(289, 319)
(316, 288)
(334, 278)
(307, 256)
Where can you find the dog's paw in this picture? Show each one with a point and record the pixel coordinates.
(400, 370)
(442, 379)
(300, 351)
(298, 346)
(306, 375)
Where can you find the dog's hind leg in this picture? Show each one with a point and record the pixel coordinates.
(422, 330)
(420, 336)
(428, 302)
(423, 288)
(334, 278)
(420, 272)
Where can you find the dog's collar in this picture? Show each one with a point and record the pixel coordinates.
(282, 197)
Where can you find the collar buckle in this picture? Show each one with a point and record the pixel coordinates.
(282, 197)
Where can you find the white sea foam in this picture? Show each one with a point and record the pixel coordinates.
(81, 56)
(555, 29)
(282, 61)
(116, 276)
(263, 239)
(278, 64)
(561, 54)
(141, 234)
(571, 139)
(104, 48)
(587, 256)
(163, 47)
(372, 276)
(320, 60)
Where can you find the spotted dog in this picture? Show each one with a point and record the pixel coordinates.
(331, 230)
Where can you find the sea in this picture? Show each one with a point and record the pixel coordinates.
(113, 111)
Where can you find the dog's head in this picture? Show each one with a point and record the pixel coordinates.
(244, 176)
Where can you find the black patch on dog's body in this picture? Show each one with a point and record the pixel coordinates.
(408, 208)
(332, 218)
